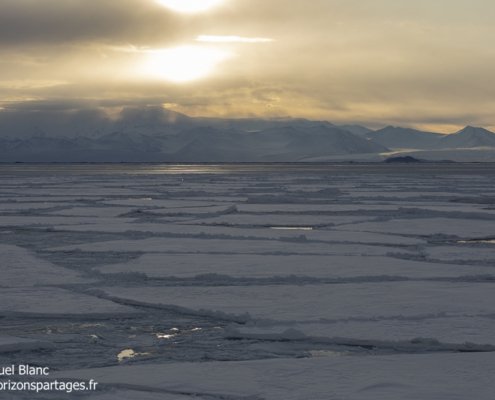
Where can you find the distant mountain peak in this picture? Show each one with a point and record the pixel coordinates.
(473, 130)
(469, 137)
(398, 137)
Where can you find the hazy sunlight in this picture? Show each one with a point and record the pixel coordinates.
(183, 64)
(190, 6)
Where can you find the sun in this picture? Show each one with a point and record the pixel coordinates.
(183, 64)
(190, 6)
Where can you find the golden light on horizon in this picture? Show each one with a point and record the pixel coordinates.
(231, 39)
(183, 64)
(190, 6)
(378, 63)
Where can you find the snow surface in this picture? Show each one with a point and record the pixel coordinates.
(315, 302)
(42, 302)
(376, 284)
(20, 268)
(438, 376)
(466, 228)
(299, 245)
(331, 267)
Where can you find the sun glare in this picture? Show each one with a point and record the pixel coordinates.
(231, 39)
(183, 64)
(189, 6)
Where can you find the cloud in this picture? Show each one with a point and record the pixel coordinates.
(54, 22)
(375, 62)
(231, 39)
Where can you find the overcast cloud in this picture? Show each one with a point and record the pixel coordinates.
(377, 62)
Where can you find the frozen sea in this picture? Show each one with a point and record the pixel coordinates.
(251, 281)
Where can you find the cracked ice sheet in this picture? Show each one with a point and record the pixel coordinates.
(202, 211)
(464, 228)
(463, 252)
(161, 203)
(453, 207)
(56, 200)
(75, 191)
(255, 266)
(50, 302)
(355, 208)
(313, 208)
(459, 329)
(13, 207)
(330, 302)
(227, 246)
(260, 232)
(109, 211)
(284, 220)
(218, 200)
(29, 220)
(393, 377)
(20, 268)
(401, 195)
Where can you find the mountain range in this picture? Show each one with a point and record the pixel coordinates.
(158, 135)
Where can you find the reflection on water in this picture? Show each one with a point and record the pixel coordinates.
(471, 241)
(174, 332)
(262, 168)
(165, 335)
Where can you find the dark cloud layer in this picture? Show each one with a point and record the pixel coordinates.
(422, 63)
(52, 22)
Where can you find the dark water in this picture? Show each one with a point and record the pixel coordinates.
(249, 168)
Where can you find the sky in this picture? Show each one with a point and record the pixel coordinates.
(424, 64)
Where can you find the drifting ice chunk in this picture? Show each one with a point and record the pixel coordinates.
(429, 226)
(316, 302)
(446, 329)
(49, 302)
(226, 231)
(223, 246)
(463, 252)
(268, 266)
(20, 268)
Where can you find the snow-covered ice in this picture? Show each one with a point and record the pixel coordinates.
(328, 302)
(426, 376)
(296, 266)
(20, 268)
(284, 282)
(49, 302)
(299, 245)
(463, 228)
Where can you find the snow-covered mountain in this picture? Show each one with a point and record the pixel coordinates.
(400, 138)
(468, 138)
(287, 143)
(154, 134)
(197, 144)
(256, 124)
(358, 130)
(323, 140)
